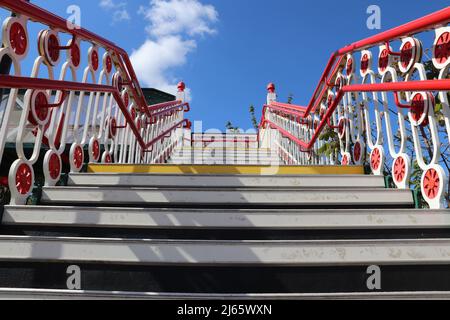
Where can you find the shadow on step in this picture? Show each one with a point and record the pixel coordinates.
(225, 234)
(224, 279)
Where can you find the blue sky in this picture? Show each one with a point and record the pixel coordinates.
(227, 50)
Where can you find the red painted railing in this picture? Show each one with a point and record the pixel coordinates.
(416, 74)
(105, 113)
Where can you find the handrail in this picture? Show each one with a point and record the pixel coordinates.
(169, 111)
(7, 81)
(428, 85)
(102, 117)
(288, 106)
(163, 105)
(430, 21)
(41, 15)
(286, 111)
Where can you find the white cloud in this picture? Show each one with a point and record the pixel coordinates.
(173, 26)
(118, 9)
(155, 58)
(178, 17)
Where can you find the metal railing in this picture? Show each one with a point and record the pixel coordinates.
(104, 110)
(351, 117)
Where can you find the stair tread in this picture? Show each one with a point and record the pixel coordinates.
(226, 218)
(221, 252)
(281, 197)
(305, 181)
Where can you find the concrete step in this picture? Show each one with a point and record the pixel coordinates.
(48, 294)
(229, 181)
(141, 218)
(229, 197)
(225, 253)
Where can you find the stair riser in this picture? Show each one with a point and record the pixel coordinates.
(224, 280)
(224, 234)
(226, 253)
(242, 221)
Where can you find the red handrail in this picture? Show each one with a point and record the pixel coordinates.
(168, 111)
(433, 20)
(427, 85)
(156, 107)
(439, 18)
(38, 14)
(286, 111)
(288, 106)
(7, 81)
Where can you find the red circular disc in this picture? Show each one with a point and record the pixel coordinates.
(18, 38)
(54, 166)
(357, 151)
(94, 60)
(78, 157)
(53, 47)
(24, 179)
(399, 169)
(418, 108)
(75, 55)
(365, 63)
(345, 161)
(431, 183)
(41, 110)
(95, 149)
(108, 64)
(375, 159)
(406, 54)
(442, 50)
(349, 67)
(383, 61)
(108, 158)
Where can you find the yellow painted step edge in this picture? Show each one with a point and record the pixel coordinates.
(225, 169)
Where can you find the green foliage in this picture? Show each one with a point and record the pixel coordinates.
(331, 145)
(432, 72)
(253, 117)
(415, 181)
(230, 127)
(290, 98)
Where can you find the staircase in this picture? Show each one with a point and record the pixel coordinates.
(224, 156)
(151, 210)
(194, 236)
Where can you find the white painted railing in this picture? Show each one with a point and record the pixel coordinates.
(356, 114)
(83, 92)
